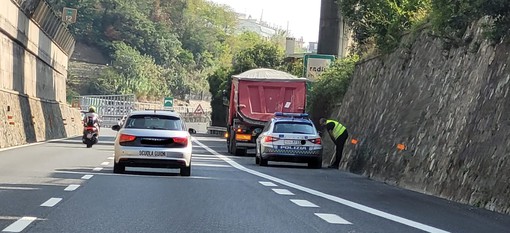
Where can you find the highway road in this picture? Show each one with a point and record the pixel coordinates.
(61, 186)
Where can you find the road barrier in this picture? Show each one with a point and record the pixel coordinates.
(216, 130)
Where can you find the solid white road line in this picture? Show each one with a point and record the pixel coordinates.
(72, 187)
(268, 184)
(19, 225)
(303, 203)
(86, 177)
(342, 201)
(105, 163)
(332, 218)
(283, 192)
(35, 144)
(51, 202)
(97, 169)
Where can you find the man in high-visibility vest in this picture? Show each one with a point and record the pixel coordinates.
(338, 134)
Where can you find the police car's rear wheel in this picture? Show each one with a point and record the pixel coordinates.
(263, 162)
(317, 164)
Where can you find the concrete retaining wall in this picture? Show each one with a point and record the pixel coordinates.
(33, 71)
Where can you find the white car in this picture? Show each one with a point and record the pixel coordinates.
(289, 138)
(157, 139)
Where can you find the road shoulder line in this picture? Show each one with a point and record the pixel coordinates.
(36, 143)
(342, 201)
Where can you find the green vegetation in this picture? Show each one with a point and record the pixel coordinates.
(331, 87)
(157, 48)
(451, 18)
(262, 54)
(382, 23)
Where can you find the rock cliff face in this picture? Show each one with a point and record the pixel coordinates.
(450, 107)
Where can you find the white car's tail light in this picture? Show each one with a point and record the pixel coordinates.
(183, 141)
(270, 139)
(316, 141)
(126, 138)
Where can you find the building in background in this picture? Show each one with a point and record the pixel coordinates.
(293, 46)
(249, 24)
(312, 47)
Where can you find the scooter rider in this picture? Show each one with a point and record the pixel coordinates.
(91, 118)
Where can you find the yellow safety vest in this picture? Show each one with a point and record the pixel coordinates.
(338, 130)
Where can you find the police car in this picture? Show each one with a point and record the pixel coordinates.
(289, 138)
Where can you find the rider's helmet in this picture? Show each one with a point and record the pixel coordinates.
(92, 109)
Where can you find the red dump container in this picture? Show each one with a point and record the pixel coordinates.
(255, 96)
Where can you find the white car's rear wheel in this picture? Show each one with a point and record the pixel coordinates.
(117, 168)
(186, 171)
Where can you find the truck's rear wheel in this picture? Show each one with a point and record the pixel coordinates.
(228, 147)
(236, 151)
(233, 147)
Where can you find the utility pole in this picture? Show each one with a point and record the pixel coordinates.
(329, 29)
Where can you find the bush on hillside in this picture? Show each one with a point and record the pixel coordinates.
(330, 88)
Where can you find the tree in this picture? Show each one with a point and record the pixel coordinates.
(177, 41)
(382, 22)
(261, 54)
(134, 73)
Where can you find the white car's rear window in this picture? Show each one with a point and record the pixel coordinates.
(153, 122)
(294, 128)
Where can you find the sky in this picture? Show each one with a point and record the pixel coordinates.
(303, 16)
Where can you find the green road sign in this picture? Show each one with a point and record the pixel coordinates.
(69, 15)
(315, 64)
(169, 102)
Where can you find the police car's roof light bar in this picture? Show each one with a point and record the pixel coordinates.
(294, 115)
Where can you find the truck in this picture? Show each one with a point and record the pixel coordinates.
(255, 96)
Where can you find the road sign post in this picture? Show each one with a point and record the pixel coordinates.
(168, 103)
(315, 64)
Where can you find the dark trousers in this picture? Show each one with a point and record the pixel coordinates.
(339, 144)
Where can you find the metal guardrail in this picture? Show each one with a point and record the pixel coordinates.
(216, 130)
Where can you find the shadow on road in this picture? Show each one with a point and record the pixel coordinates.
(76, 173)
(293, 166)
(103, 140)
(159, 172)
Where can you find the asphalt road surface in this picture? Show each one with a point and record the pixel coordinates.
(61, 186)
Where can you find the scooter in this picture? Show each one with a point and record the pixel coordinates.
(90, 134)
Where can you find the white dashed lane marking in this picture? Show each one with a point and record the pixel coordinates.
(332, 218)
(105, 163)
(303, 203)
(97, 169)
(72, 187)
(51, 202)
(283, 192)
(268, 184)
(86, 177)
(19, 225)
(110, 158)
